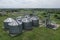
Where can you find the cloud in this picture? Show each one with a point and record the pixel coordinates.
(29, 4)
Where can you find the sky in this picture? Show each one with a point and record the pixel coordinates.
(29, 3)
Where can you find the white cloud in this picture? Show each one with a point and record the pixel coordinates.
(29, 4)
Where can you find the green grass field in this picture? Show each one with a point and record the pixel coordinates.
(38, 33)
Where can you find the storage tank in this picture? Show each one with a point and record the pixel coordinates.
(19, 20)
(27, 23)
(20, 24)
(14, 28)
(35, 21)
(6, 21)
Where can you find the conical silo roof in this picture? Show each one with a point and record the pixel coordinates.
(13, 23)
(34, 18)
(26, 20)
(9, 20)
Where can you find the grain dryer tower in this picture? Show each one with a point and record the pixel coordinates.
(48, 21)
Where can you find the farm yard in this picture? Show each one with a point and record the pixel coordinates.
(37, 33)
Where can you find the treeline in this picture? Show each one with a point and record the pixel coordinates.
(56, 12)
(31, 9)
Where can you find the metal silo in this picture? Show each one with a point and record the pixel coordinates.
(19, 20)
(6, 21)
(27, 23)
(14, 28)
(35, 21)
(20, 24)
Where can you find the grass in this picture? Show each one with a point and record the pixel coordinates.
(37, 33)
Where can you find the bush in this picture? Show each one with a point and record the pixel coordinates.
(57, 16)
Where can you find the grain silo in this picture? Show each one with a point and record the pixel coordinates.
(19, 20)
(14, 28)
(27, 23)
(35, 21)
(6, 21)
(19, 24)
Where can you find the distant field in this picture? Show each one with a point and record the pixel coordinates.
(38, 33)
